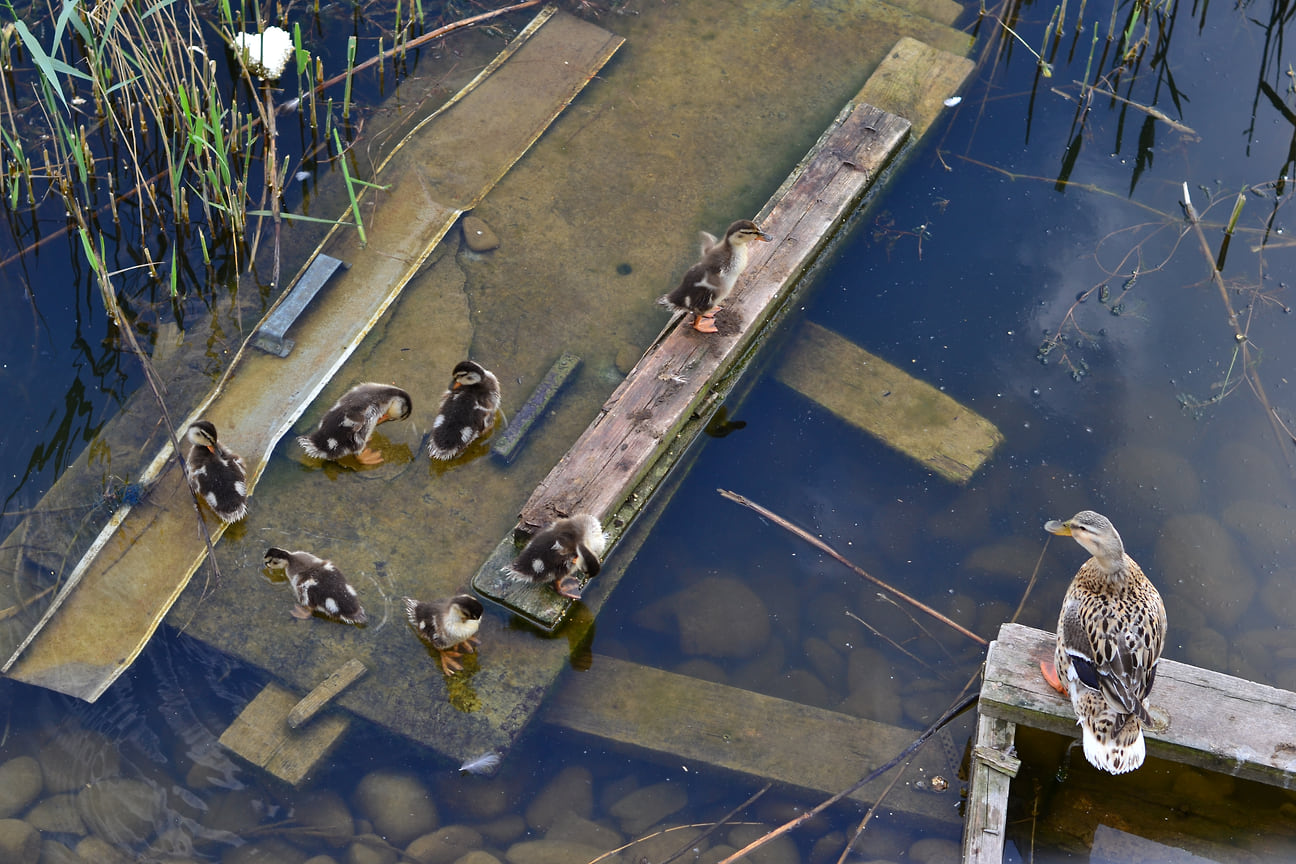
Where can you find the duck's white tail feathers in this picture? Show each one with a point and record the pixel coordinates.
(1113, 742)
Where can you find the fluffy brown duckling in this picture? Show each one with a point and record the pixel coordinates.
(708, 282)
(449, 626)
(215, 473)
(560, 552)
(346, 428)
(318, 585)
(467, 410)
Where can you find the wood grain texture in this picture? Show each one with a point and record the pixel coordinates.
(1217, 722)
(261, 735)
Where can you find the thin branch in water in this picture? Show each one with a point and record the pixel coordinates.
(825, 548)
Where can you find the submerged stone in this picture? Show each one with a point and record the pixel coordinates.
(478, 236)
(398, 805)
(20, 782)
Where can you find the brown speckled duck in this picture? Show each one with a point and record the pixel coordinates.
(708, 282)
(346, 428)
(449, 626)
(467, 410)
(1109, 638)
(318, 585)
(556, 554)
(215, 473)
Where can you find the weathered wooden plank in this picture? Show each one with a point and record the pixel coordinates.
(313, 702)
(1217, 722)
(914, 81)
(751, 733)
(993, 767)
(115, 598)
(508, 443)
(261, 735)
(910, 415)
(672, 379)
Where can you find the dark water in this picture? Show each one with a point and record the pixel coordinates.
(992, 244)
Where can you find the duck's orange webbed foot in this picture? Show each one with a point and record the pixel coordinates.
(704, 322)
(1051, 676)
(301, 613)
(369, 457)
(569, 586)
(469, 645)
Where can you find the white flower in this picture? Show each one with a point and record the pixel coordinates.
(265, 54)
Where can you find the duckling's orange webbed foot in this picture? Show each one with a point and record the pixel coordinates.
(569, 586)
(469, 645)
(704, 322)
(301, 612)
(369, 457)
(1051, 676)
(449, 661)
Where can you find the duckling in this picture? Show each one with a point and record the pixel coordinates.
(318, 584)
(216, 473)
(1109, 638)
(708, 282)
(449, 626)
(556, 554)
(346, 428)
(467, 410)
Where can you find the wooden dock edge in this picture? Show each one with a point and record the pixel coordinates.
(1217, 722)
(666, 400)
(738, 730)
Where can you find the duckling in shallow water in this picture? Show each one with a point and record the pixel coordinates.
(318, 585)
(215, 473)
(449, 626)
(346, 428)
(467, 410)
(558, 553)
(708, 282)
(1109, 638)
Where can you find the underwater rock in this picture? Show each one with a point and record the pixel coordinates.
(20, 843)
(444, 845)
(780, 850)
(707, 670)
(801, 685)
(874, 690)
(122, 811)
(934, 850)
(236, 812)
(478, 857)
(478, 236)
(648, 806)
(75, 758)
(551, 852)
(21, 782)
(57, 814)
(370, 849)
(827, 664)
(398, 805)
(1151, 480)
(577, 829)
(1197, 553)
(326, 816)
(571, 791)
(716, 854)
(1244, 472)
(502, 830)
(270, 851)
(1265, 528)
(480, 798)
(54, 852)
(100, 851)
(321, 859)
(721, 617)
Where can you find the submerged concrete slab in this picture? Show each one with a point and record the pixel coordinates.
(115, 599)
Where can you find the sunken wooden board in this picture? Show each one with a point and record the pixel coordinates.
(123, 587)
(261, 735)
(903, 412)
(763, 736)
(677, 379)
(1217, 722)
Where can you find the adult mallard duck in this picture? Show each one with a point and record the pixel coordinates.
(215, 473)
(467, 410)
(1109, 638)
(318, 585)
(556, 554)
(708, 282)
(449, 626)
(346, 428)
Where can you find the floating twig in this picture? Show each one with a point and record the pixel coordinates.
(824, 547)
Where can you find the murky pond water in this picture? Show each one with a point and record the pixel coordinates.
(1011, 237)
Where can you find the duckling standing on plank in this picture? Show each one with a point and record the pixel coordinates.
(467, 410)
(216, 473)
(559, 552)
(449, 626)
(318, 585)
(346, 428)
(708, 282)
(1109, 639)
